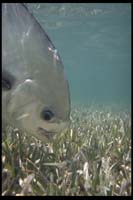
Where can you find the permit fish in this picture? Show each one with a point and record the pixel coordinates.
(35, 91)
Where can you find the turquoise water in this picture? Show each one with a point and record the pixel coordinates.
(94, 42)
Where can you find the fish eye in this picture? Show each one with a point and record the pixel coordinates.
(6, 84)
(47, 114)
(7, 80)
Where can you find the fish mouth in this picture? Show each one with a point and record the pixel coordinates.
(46, 133)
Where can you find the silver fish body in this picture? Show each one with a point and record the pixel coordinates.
(35, 92)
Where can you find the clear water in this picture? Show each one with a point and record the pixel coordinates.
(94, 42)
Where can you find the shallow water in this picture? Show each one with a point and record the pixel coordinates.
(94, 42)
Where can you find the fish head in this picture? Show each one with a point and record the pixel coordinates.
(36, 110)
